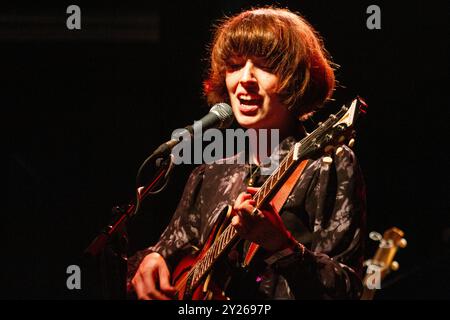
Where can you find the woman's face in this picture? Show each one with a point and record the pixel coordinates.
(252, 88)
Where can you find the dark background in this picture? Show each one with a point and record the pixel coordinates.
(82, 110)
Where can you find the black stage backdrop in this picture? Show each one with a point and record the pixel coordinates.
(82, 109)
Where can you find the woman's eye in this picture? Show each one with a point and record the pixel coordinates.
(234, 66)
(265, 67)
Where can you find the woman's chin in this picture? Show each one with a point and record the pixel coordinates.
(247, 122)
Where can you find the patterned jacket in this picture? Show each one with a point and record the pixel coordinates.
(325, 211)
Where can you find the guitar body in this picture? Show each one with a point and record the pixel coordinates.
(207, 289)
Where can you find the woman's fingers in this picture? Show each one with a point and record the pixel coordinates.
(236, 222)
(252, 190)
(246, 207)
(244, 202)
(242, 197)
(152, 280)
(144, 286)
(164, 281)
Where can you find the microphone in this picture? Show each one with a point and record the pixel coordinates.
(220, 116)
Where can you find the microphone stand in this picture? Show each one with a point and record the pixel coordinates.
(113, 236)
(111, 245)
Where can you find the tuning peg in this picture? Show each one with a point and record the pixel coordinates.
(351, 143)
(375, 236)
(339, 150)
(368, 262)
(395, 266)
(402, 243)
(327, 160)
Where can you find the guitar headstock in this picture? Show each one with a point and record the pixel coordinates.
(392, 239)
(337, 130)
(352, 112)
(383, 261)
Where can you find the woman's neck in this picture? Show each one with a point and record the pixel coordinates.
(267, 140)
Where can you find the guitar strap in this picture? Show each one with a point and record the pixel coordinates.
(277, 203)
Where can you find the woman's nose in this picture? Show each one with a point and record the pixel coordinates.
(248, 73)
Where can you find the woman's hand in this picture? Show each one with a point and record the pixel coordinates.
(152, 279)
(263, 227)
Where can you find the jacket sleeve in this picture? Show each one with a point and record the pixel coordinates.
(334, 201)
(182, 230)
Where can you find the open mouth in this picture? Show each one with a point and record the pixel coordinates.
(248, 104)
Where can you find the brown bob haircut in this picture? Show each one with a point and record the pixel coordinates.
(291, 47)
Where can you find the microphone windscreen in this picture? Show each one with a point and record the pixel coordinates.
(224, 112)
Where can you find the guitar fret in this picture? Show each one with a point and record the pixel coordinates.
(257, 198)
(264, 190)
(222, 240)
(194, 276)
(229, 234)
(285, 166)
(269, 182)
(219, 245)
(279, 174)
(225, 237)
(219, 248)
(215, 250)
(289, 162)
(208, 258)
(202, 268)
(233, 233)
(267, 190)
(290, 157)
(213, 255)
(211, 259)
(218, 251)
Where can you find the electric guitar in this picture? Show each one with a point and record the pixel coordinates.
(192, 277)
(383, 261)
